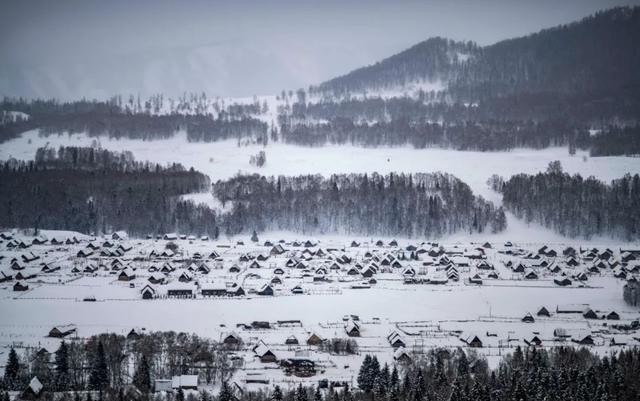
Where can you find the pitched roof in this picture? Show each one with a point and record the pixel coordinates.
(261, 349)
(35, 385)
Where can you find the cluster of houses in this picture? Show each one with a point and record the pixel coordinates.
(273, 268)
(571, 265)
(291, 365)
(567, 314)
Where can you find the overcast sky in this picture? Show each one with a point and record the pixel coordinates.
(84, 48)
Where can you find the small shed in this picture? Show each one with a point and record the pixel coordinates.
(543, 311)
(264, 353)
(352, 328)
(528, 318)
(314, 339)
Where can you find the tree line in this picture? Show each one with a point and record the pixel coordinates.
(114, 119)
(412, 205)
(557, 374)
(562, 373)
(460, 135)
(575, 206)
(617, 141)
(109, 362)
(631, 293)
(95, 190)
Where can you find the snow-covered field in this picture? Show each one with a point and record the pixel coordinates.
(425, 315)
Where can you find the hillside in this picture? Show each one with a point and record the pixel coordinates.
(596, 55)
(434, 60)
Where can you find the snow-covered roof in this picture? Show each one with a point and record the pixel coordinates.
(184, 381)
(216, 285)
(35, 385)
(351, 325)
(65, 328)
(261, 349)
(399, 352)
(178, 285)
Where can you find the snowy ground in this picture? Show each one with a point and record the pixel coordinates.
(426, 315)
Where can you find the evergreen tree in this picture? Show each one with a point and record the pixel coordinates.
(457, 392)
(381, 384)
(463, 364)
(277, 394)
(364, 375)
(12, 371)
(407, 385)
(62, 378)
(180, 395)
(394, 393)
(374, 370)
(225, 393)
(142, 376)
(517, 359)
(346, 393)
(301, 393)
(395, 380)
(420, 387)
(99, 375)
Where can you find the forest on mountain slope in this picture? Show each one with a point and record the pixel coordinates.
(572, 78)
(435, 59)
(593, 56)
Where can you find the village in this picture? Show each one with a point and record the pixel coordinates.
(307, 310)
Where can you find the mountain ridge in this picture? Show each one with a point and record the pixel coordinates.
(595, 53)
